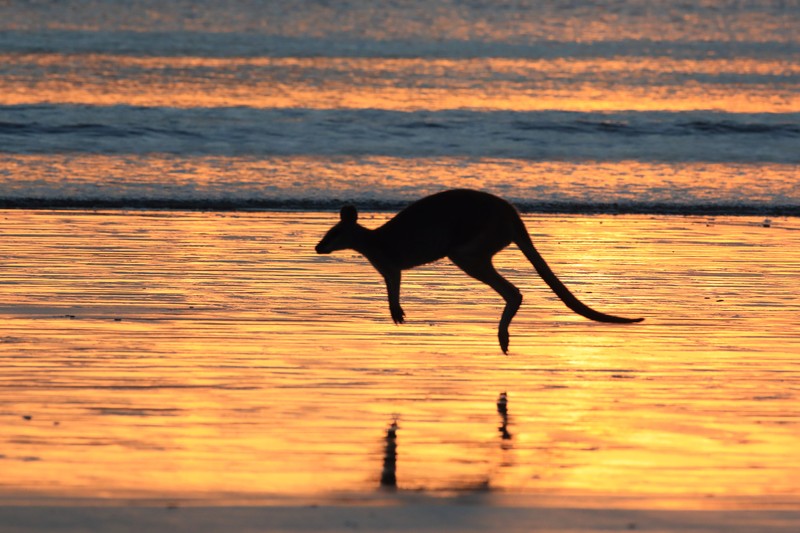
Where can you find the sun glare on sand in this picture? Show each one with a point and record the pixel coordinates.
(203, 354)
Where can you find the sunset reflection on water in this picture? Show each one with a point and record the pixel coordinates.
(177, 355)
(147, 177)
(403, 84)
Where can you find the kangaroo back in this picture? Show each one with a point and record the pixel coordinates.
(523, 240)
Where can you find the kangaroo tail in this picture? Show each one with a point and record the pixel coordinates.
(523, 240)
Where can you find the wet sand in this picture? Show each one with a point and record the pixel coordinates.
(423, 516)
(166, 358)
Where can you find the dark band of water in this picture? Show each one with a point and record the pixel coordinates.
(303, 204)
(540, 136)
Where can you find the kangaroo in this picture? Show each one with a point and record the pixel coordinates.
(468, 227)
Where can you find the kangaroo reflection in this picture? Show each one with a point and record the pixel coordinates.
(502, 409)
(388, 478)
(389, 472)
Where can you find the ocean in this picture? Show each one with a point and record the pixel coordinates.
(580, 106)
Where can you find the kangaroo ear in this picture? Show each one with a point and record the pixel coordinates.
(348, 214)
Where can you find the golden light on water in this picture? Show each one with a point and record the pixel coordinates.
(195, 354)
(610, 84)
(312, 178)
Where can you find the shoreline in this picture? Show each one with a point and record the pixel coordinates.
(380, 206)
(393, 498)
(450, 516)
(403, 511)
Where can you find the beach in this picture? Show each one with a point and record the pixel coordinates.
(177, 357)
(203, 360)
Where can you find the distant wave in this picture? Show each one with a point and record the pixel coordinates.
(547, 135)
(372, 204)
(84, 130)
(237, 44)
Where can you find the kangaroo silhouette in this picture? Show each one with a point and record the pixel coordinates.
(468, 227)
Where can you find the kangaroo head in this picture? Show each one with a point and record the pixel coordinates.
(341, 236)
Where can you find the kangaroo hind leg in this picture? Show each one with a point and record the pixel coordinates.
(392, 279)
(481, 268)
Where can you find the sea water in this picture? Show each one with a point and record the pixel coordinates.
(578, 106)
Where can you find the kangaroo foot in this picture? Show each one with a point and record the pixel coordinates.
(503, 337)
(398, 315)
